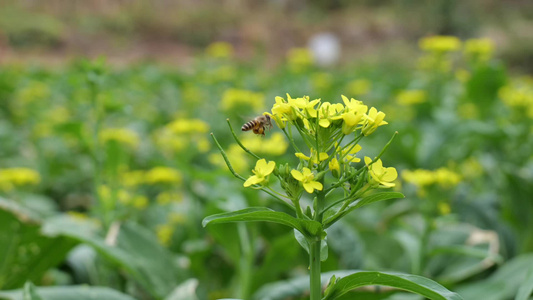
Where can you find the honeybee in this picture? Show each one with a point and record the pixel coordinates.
(258, 124)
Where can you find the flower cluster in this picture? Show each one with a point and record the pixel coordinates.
(181, 134)
(443, 177)
(331, 132)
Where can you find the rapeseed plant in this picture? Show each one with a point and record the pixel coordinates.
(327, 170)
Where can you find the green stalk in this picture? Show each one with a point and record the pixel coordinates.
(314, 268)
(245, 262)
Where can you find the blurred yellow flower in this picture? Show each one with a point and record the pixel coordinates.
(177, 218)
(411, 97)
(481, 49)
(299, 59)
(132, 178)
(183, 125)
(418, 177)
(468, 111)
(518, 94)
(220, 50)
(359, 87)
(139, 202)
(444, 208)
(164, 233)
(124, 136)
(443, 177)
(321, 80)
(164, 198)
(440, 43)
(163, 175)
(12, 177)
(235, 98)
(275, 145)
(446, 177)
(33, 92)
(462, 75)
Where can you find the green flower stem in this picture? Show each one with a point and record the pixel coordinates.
(304, 136)
(230, 167)
(289, 136)
(245, 262)
(384, 148)
(239, 142)
(314, 266)
(314, 251)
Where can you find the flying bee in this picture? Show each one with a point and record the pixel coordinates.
(258, 124)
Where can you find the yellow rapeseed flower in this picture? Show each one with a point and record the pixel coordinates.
(374, 119)
(262, 170)
(381, 175)
(306, 177)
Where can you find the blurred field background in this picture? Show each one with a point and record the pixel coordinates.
(173, 31)
(107, 167)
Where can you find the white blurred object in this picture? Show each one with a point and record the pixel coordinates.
(326, 49)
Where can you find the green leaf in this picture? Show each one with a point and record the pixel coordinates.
(30, 293)
(412, 283)
(526, 287)
(185, 291)
(362, 202)
(67, 293)
(25, 252)
(257, 214)
(502, 284)
(136, 251)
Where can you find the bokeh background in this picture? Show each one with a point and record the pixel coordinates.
(107, 167)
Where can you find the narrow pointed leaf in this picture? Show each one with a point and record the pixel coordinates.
(412, 283)
(257, 214)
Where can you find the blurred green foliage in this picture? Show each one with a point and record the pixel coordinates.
(113, 170)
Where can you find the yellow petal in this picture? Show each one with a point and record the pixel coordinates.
(390, 174)
(252, 180)
(297, 175)
(324, 123)
(308, 187)
(316, 185)
(269, 168)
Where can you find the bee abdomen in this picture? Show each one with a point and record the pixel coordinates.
(248, 126)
